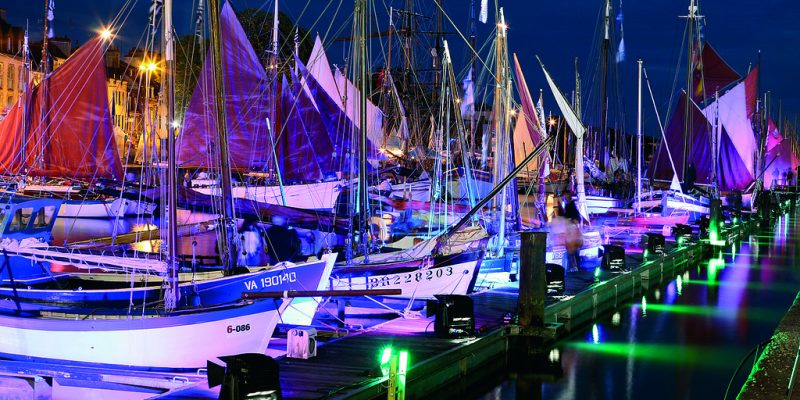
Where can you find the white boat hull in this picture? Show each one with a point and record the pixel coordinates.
(170, 342)
(601, 204)
(417, 283)
(105, 209)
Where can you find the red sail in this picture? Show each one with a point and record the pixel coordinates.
(11, 158)
(712, 73)
(751, 91)
(70, 129)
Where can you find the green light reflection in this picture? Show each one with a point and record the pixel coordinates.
(716, 357)
(753, 314)
(773, 287)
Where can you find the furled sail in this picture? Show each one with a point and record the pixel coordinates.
(577, 127)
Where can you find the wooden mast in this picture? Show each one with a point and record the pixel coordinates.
(45, 66)
(687, 119)
(227, 248)
(361, 73)
(604, 84)
(173, 294)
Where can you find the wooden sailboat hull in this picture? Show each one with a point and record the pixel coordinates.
(105, 209)
(210, 292)
(312, 196)
(172, 341)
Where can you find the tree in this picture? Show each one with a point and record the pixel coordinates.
(257, 25)
(188, 63)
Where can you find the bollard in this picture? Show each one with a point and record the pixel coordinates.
(532, 281)
(715, 221)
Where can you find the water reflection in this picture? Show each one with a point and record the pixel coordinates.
(684, 339)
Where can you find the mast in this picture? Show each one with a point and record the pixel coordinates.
(361, 71)
(501, 116)
(761, 154)
(687, 123)
(26, 66)
(436, 57)
(173, 294)
(472, 64)
(272, 123)
(639, 148)
(604, 82)
(45, 96)
(716, 132)
(296, 48)
(578, 108)
(275, 23)
(227, 248)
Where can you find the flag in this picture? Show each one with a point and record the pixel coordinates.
(155, 10)
(540, 119)
(540, 112)
(484, 15)
(621, 50)
(51, 9)
(198, 21)
(468, 99)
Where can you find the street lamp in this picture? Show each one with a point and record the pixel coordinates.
(106, 34)
(147, 67)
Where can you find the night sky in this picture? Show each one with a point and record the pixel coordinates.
(557, 31)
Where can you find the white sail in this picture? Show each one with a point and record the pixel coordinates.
(732, 108)
(351, 97)
(320, 68)
(574, 122)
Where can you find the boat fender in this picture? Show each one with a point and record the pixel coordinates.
(379, 228)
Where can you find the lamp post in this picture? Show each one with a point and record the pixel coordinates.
(147, 68)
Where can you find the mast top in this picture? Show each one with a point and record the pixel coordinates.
(694, 9)
(501, 25)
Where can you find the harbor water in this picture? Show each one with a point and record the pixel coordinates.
(682, 340)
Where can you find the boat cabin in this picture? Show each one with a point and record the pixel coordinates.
(23, 217)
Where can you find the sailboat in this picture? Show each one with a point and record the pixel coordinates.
(425, 269)
(176, 340)
(711, 128)
(168, 337)
(295, 134)
(59, 130)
